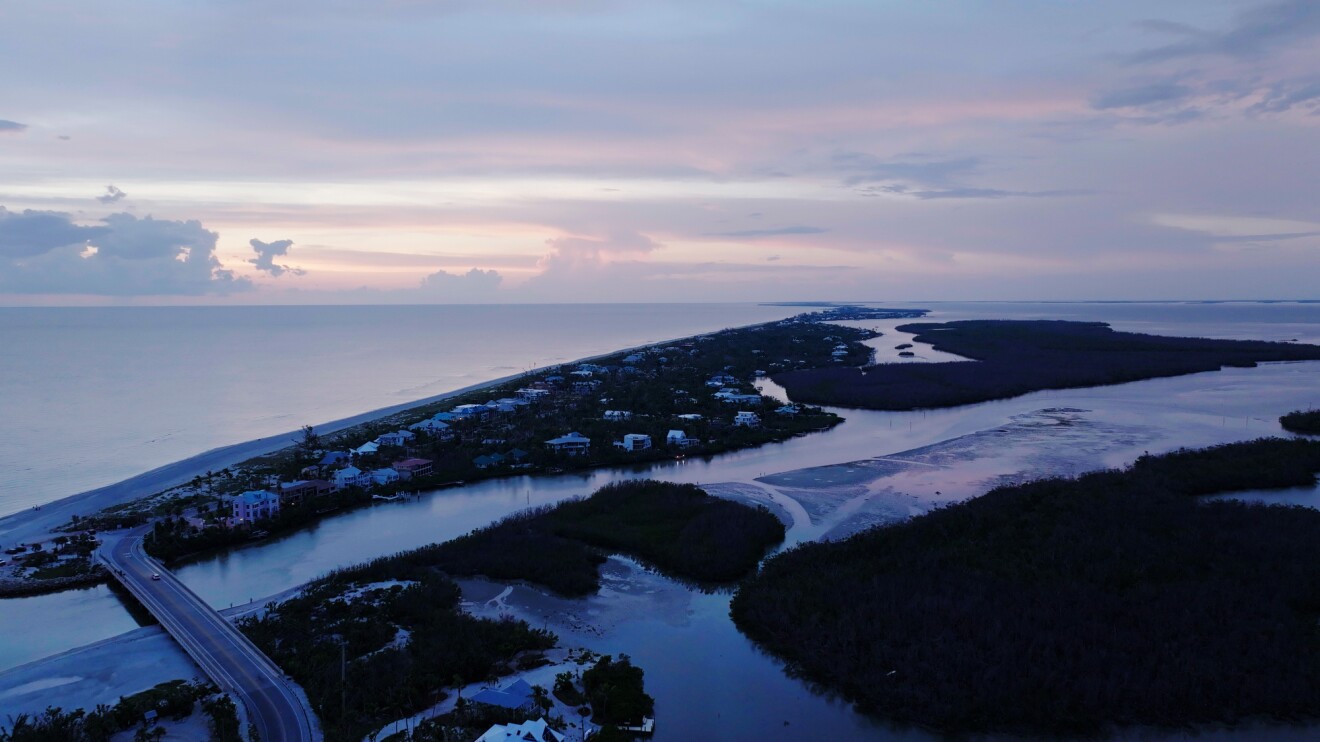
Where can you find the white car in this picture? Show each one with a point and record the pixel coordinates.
(155, 575)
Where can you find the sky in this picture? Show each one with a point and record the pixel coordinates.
(490, 151)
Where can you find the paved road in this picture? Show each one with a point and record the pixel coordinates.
(230, 660)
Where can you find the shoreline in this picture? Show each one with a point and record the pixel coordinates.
(39, 523)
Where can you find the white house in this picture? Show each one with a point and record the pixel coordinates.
(465, 411)
(680, 439)
(531, 394)
(367, 448)
(536, 731)
(634, 442)
(689, 416)
(572, 444)
(255, 505)
(349, 476)
(747, 419)
(720, 380)
(384, 476)
(397, 438)
(618, 415)
(434, 427)
(733, 397)
(788, 409)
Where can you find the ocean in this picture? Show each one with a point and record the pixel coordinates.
(92, 396)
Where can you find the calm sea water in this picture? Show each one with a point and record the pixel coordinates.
(92, 396)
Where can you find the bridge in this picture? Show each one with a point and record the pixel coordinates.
(231, 661)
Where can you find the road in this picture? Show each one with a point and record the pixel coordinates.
(223, 653)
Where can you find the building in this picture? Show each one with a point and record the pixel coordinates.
(529, 731)
(515, 695)
(634, 442)
(747, 419)
(384, 476)
(349, 476)
(532, 394)
(299, 490)
(366, 449)
(618, 415)
(488, 460)
(469, 411)
(409, 468)
(572, 444)
(397, 438)
(434, 428)
(255, 505)
(679, 439)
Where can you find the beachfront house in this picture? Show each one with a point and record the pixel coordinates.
(532, 394)
(514, 696)
(335, 458)
(470, 411)
(747, 419)
(384, 476)
(367, 448)
(255, 505)
(536, 730)
(572, 444)
(433, 428)
(617, 415)
(409, 468)
(397, 438)
(679, 439)
(634, 442)
(349, 476)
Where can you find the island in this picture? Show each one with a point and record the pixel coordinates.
(1008, 358)
(1306, 422)
(1068, 606)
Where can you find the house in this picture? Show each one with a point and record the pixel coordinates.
(397, 438)
(747, 419)
(679, 439)
(532, 394)
(536, 730)
(788, 409)
(586, 387)
(488, 460)
(469, 411)
(384, 476)
(729, 397)
(443, 417)
(409, 468)
(301, 489)
(618, 415)
(720, 380)
(434, 428)
(334, 458)
(572, 444)
(633, 359)
(634, 442)
(367, 448)
(515, 695)
(349, 476)
(517, 456)
(689, 416)
(255, 505)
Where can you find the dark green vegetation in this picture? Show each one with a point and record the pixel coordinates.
(1307, 422)
(1067, 606)
(676, 527)
(400, 642)
(616, 694)
(172, 700)
(1017, 357)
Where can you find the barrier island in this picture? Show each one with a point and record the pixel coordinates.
(1068, 606)
(1014, 357)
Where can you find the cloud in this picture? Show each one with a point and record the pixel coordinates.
(266, 254)
(995, 193)
(11, 127)
(1142, 95)
(870, 169)
(112, 194)
(754, 233)
(1253, 33)
(45, 252)
(1284, 96)
(476, 283)
(32, 233)
(586, 254)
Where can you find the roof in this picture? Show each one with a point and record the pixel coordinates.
(535, 730)
(574, 437)
(411, 463)
(514, 695)
(334, 457)
(253, 497)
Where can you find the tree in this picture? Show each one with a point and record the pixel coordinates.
(310, 441)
